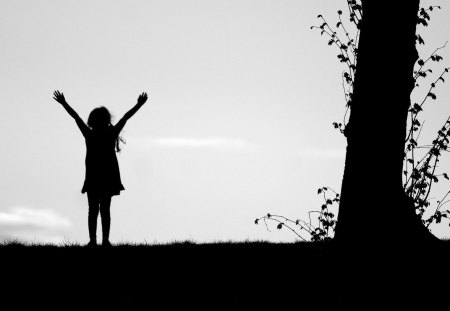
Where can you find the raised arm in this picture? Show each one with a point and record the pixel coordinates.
(59, 97)
(140, 102)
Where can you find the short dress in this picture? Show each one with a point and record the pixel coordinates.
(102, 168)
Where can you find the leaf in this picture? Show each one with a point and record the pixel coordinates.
(422, 74)
(420, 39)
(340, 12)
(341, 57)
(280, 225)
(445, 176)
(436, 58)
(432, 95)
(422, 20)
(417, 107)
(268, 215)
(256, 221)
(319, 191)
(420, 62)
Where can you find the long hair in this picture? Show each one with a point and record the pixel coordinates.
(100, 118)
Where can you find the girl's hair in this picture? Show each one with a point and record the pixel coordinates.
(101, 118)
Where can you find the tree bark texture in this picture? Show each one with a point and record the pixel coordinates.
(374, 207)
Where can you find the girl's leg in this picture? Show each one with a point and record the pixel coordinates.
(105, 213)
(94, 206)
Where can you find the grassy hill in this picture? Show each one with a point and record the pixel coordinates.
(213, 276)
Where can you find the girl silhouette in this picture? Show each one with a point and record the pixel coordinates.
(102, 179)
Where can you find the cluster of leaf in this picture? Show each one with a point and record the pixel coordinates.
(420, 174)
(423, 18)
(347, 45)
(421, 161)
(320, 230)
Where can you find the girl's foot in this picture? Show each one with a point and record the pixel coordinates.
(92, 244)
(106, 243)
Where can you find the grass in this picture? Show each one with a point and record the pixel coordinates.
(185, 273)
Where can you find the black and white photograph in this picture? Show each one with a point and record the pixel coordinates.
(168, 154)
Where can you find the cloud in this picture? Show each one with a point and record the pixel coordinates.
(25, 219)
(211, 143)
(226, 144)
(322, 154)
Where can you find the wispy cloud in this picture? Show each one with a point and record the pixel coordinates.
(22, 216)
(322, 154)
(212, 143)
(27, 223)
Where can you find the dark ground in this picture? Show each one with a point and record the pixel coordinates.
(226, 276)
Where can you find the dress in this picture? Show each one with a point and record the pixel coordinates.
(102, 167)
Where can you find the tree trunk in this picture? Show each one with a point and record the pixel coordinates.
(374, 207)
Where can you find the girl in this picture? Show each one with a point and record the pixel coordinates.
(102, 179)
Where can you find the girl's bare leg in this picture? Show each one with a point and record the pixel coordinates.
(94, 206)
(105, 213)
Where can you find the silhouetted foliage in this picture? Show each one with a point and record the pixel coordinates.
(322, 229)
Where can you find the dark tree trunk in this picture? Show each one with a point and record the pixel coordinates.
(374, 207)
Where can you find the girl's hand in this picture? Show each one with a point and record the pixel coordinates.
(59, 97)
(142, 98)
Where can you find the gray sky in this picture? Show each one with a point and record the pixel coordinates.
(242, 95)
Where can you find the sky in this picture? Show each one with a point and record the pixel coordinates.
(242, 96)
